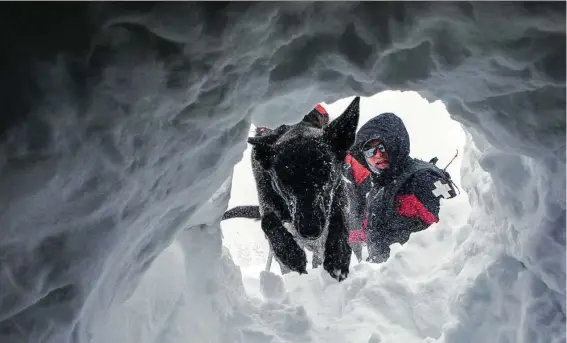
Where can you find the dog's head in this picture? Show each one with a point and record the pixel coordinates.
(304, 167)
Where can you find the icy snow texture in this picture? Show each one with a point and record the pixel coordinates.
(121, 123)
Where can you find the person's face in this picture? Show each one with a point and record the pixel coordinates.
(376, 155)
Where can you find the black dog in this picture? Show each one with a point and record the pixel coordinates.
(297, 169)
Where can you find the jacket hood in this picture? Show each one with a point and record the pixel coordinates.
(391, 131)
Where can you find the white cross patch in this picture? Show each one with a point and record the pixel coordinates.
(441, 189)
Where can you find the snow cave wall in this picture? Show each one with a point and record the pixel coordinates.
(121, 122)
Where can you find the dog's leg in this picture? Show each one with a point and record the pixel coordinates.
(337, 250)
(317, 259)
(283, 245)
(317, 248)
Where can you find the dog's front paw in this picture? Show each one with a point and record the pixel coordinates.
(338, 271)
(285, 248)
(337, 254)
(293, 257)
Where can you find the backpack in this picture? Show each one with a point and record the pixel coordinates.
(420, 165)
(446, 176)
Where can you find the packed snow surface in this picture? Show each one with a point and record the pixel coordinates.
(121, 124)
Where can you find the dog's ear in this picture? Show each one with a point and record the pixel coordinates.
(263, 147)
(341, 132)
(264, 140)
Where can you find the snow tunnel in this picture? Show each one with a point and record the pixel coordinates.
(121, 123)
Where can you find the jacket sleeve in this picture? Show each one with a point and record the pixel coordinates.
(420, 197)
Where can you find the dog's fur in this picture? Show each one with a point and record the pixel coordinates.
(252, 212)
(297, 169)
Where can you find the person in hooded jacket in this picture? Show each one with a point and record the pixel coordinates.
(391, 193)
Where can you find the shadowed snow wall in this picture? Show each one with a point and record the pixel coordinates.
(120, 124)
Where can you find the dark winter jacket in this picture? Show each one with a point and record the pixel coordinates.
(402, 198)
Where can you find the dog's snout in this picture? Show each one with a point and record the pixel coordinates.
(309, 219)
(310, 229)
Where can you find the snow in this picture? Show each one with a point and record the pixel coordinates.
(118, 139)
(398, 301)
(450, 283)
